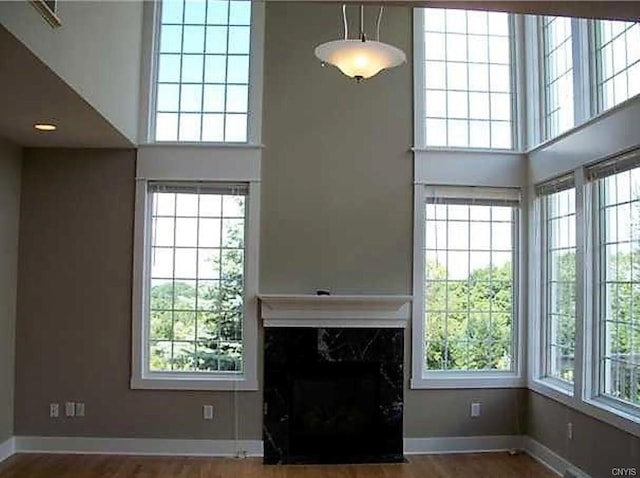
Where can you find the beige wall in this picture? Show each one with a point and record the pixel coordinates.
(596, 447)
(10, 160)
(337, 209)
(97, 51)
(74, 309)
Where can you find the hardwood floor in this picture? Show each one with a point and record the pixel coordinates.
(481, 465)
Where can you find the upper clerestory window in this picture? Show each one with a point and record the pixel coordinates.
(202, 71)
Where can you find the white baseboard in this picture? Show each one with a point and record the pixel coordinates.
(550, 459)
(7, 448)
(232, 448)
(474, 444)
(138, 446)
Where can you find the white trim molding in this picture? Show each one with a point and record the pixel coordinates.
(471, 444)
(141, 377)
(469, 168)
(7, 449)
(180, 162)
(300, 310)
(550, 459)
(138, 446)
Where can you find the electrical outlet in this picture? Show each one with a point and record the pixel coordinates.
(570, 431)
(70, 409)
(54, 410)
(207, 412)
(475, 409)
(79, 409)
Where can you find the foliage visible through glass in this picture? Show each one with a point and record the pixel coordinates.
(619, 208)
(469, 287)
(196, 304)
(467, 74)
(560, 314)
(202, 83)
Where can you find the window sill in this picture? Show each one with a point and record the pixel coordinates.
(201, 144)
(448, 381)
(599, 408)
(552, 388)
(238, 383)
(469, 151)
(610, 406)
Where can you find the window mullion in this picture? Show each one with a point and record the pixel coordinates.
(584, 94)
(583, 285)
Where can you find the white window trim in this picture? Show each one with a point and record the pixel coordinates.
(425, 379)
(209, 171)
(151, 30)
(585, 396)
(537, 311)
(518, 108)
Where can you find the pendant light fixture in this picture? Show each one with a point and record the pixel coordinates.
(360, 58)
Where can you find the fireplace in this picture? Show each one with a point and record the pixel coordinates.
(333, 395)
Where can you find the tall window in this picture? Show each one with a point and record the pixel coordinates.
(202, 77)
(195, 279)
(467, 78)
(618, 206)
(618, 61)
(469, 281)
(559, 294)
(558, 75)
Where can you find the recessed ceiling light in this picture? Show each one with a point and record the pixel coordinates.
(45, 127)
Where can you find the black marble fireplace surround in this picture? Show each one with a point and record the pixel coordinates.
(333, 395)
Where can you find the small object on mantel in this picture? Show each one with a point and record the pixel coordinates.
(323, 292)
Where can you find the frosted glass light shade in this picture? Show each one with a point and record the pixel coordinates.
(360, 59)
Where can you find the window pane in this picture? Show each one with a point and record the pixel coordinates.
(214, 98)
(203, 42)
(191, 98)
(238, 69)
(215, 66)
(189, 127)
(168, 97)
(197, 291)
(468, 288)
(239, 12)
(169, 68)
(213, 127)
(617, 48)
(467, 52)
(166, 127)
(193, 41)
(560, 288)
(218, 12)
(217, 40)
(237, 98)
(235, 128)
(172, 11)
(171, 40)
(194, 11)
(619, 286)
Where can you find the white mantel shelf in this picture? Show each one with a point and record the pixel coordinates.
(302, 310)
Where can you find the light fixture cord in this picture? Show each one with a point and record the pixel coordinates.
(378, 23)
(344, 21)
(363, 37)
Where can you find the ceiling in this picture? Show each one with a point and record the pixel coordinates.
(32, 93)
(611, 9)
